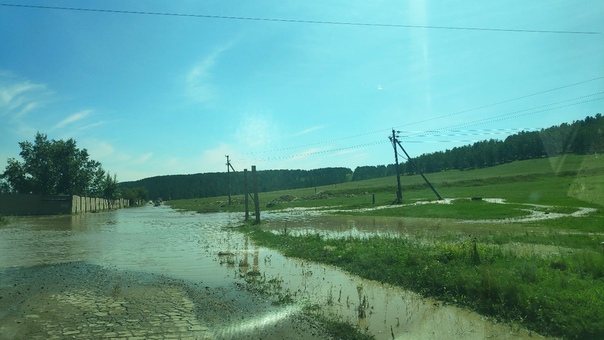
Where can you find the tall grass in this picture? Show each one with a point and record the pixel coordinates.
(547, 275)
(556, 294)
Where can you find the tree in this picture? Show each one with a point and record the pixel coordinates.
(134, 195)
(53, 167)
(110, 187)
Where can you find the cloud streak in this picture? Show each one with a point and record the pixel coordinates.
(21, 97)
(309, 130)
(142, 159)
(72, 119)
(198, 80)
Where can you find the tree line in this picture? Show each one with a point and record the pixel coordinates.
(580, 137)
(58, 167)
(218, 183)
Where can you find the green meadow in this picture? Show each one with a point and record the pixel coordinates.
(537, 260)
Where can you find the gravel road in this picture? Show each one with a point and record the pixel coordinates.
(78, 300)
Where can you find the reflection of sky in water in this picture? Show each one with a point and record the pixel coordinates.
(187, 246)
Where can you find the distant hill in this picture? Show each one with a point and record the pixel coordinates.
(217, 184)
(580, 137)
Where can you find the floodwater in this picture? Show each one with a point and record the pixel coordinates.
(198, 251)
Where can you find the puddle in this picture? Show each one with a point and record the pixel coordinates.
(536, 214)
(196, 249)
(389, 311)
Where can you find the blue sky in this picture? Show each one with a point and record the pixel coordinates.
(151, 95)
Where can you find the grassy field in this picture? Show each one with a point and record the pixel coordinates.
(547, 274)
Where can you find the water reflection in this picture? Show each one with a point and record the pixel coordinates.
(154, 240)
(198, 249)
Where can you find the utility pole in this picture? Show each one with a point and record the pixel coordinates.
(245, 194)
(228, 164)
(256, 199)
(399, 193)
(229, 168)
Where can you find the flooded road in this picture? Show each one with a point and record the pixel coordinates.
(153, 272)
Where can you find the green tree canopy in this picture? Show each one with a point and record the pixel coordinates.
(56, 167)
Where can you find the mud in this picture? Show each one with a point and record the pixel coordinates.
(78, 300)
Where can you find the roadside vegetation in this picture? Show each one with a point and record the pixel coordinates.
(546, 274)
(552, 290)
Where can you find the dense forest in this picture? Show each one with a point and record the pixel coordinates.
(580, 137)
(217, 184)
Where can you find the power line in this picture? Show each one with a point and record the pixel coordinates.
(453, 133)
(504, 101)
(300, 21)
(519, 113)
(311, 153)
(515, 114)
(430, 119)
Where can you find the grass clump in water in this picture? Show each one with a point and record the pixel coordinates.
(558, 294)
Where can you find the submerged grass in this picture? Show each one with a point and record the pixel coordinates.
(464, 208)
(332, 325)
(556, 294)
(547, 274)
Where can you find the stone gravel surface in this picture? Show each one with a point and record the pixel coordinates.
(78, 300)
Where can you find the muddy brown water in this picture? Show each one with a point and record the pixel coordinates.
(153, 272)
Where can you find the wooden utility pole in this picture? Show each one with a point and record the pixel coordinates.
(229, 168)
(245, 194)
(256, 200)
(228, 164)
(399, 193)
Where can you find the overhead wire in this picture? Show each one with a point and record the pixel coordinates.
(519, 113)
(515, 114)
(302, 21)
(424, 134)
(429, 119)
(503, 101)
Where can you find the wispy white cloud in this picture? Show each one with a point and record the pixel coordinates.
(257, 131)
(18, 97)
(199, 78)
(72, 119)
(99, 149)
(309, 130)
(142, 159)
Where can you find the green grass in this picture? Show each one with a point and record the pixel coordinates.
(569, 181)
(547, 274)
(466, 208)
(555, 294)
